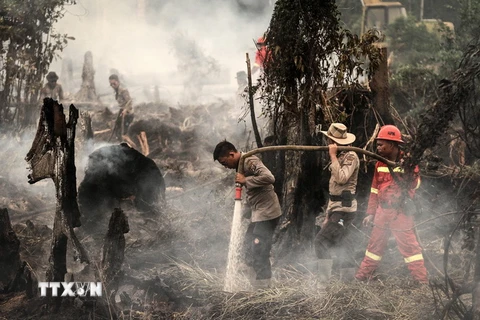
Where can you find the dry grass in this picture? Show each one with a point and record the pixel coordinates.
(296, 295)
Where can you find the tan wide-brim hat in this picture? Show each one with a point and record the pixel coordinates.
(338, 133)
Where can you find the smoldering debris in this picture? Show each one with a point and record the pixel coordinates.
(116, 173)
(174, 262)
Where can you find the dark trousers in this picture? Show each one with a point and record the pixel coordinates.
(332, 235)
(258, 244)
(121, 125)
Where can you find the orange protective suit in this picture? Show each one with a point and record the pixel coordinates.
(387, 204)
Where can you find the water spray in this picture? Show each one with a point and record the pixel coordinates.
(233, 278)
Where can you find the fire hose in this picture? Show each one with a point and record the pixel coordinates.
(312, 148)
(232, 274)
(238, 187)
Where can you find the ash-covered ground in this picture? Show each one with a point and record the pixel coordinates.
(176, 255)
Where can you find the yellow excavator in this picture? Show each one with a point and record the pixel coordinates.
(378, 14)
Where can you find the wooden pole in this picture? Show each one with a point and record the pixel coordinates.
(258, 139)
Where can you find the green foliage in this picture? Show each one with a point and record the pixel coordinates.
(421, 55)
(412, 87)
(350, 14)
(29, 45)
(309, 53)
(469, 28)
(413, 43)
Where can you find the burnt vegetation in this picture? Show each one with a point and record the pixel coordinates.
(153, 216)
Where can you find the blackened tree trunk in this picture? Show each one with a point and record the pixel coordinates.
(302, 38)
(9, 250)
(52, 155)
(114, 251)
(476, 283)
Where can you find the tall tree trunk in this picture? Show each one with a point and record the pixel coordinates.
(9, 76)
(380, 89)
(476, 283)
(302, 194)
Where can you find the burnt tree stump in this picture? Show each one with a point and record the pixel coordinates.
(87, 92)
(52, 155)
(9, 250)
(25, 280)
(114, 251)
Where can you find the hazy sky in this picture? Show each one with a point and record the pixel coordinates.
(138, 43)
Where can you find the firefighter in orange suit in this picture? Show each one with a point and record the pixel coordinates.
(386, 210)
(260, 56)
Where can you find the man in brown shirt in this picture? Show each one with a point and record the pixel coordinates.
(125, 114)
(266, 212)
(342, 204)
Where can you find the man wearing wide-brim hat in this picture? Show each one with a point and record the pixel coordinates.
(342, 204)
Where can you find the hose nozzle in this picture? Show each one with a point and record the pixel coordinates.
(238, 191)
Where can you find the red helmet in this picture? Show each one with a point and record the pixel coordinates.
(391, 133)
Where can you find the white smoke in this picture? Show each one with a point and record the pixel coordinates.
(138, 43)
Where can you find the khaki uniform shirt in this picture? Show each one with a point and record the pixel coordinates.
(260, 194)
(123, 98)
(344, 176)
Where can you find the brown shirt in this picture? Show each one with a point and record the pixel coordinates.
(344, 176)
(260, 194)
(123, 98)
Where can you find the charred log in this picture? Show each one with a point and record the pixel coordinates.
(114, 251)
(160, 133)
(9, 249)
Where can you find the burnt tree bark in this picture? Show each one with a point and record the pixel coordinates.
(258, 139)
(301, 38)
(114, 251)
(52, 155)
(9, 250)
(25, 280)
(380, 90)
(476, 284)
(87, 91)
